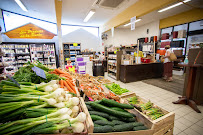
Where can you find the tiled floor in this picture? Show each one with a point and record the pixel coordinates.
(187, 121)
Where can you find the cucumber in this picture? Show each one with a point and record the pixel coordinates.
(96, 117)
(103, 108)
(117, 122)
(105, 115)
(139, 128)
(118, 109)
(136, 124)
(89, 108)
(103, 122)
(96, 125)
(116, 104)
(123, 127)
(103, 129)
(98, 102)
(113, 118)
(129, 119)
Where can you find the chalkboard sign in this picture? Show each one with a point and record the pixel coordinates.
(40, 72)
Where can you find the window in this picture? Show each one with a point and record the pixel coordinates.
(13, 21)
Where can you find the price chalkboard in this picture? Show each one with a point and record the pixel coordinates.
(40, 72)
(11, 78)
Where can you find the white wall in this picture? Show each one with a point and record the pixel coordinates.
(124, 36)
(84, 37)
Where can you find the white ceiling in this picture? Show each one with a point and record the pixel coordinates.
(73, 11)
(155, 15)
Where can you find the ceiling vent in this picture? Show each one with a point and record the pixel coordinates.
(111, 4)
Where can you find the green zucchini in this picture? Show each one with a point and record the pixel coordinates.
(123, 127)
(96, 125)
(139, 128)
(89, 108)
(103, 122)
(113, 118)
(96, 117)
(129, 119)
(118, 109)
(105, 115)
(117, 122)
(108, 110)
(136, 124)
(103, 129)
(98, 102)
(113, 103)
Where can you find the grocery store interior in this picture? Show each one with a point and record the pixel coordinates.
(101, 67)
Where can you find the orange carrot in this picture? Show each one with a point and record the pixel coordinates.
(61, 82)
(68, 87)
(59, 71)
(73, 88)
(72, 83)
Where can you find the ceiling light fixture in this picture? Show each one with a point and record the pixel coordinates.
(175, 5)
(21, 5)
(89, 15)
(130, 23)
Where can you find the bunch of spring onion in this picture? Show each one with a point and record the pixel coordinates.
(42, 108)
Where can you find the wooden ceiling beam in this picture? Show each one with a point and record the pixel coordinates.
(140, 8)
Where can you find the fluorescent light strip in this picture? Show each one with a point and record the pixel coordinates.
(90, 14)
(21, 5)
(172, 6)
(130, 23)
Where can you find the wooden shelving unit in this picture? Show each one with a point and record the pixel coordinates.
(113, 64)
(70, 51)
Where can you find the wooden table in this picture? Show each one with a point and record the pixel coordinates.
(190, 87)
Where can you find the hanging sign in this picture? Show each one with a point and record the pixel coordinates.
(39, 72)
(30, 31)
(75, 44)
(112, 31)
(132, 21)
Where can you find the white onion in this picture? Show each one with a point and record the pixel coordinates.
(60, 105)
(48, 88)
(78, 127)
(51, 101)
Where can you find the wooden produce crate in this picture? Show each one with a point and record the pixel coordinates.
(149, 131)
(161, 126)
(89, 123)
(108, 90)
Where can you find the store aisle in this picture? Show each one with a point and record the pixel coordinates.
(187, 121)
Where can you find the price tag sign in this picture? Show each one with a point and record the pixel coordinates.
(11, 78)
(75, 44)
(115, 52)
(67, 59)
(132, 21)
(39, 72)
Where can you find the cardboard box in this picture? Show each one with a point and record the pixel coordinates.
(178, 52)
(127, 57)
(126, 62)
(181, 33)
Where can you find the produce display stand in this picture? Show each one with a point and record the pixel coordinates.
(114, 60)
(161, 126)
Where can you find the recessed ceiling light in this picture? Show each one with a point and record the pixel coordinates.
(89, 15)
(21, 5)
(130, 23)
(174, 5)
